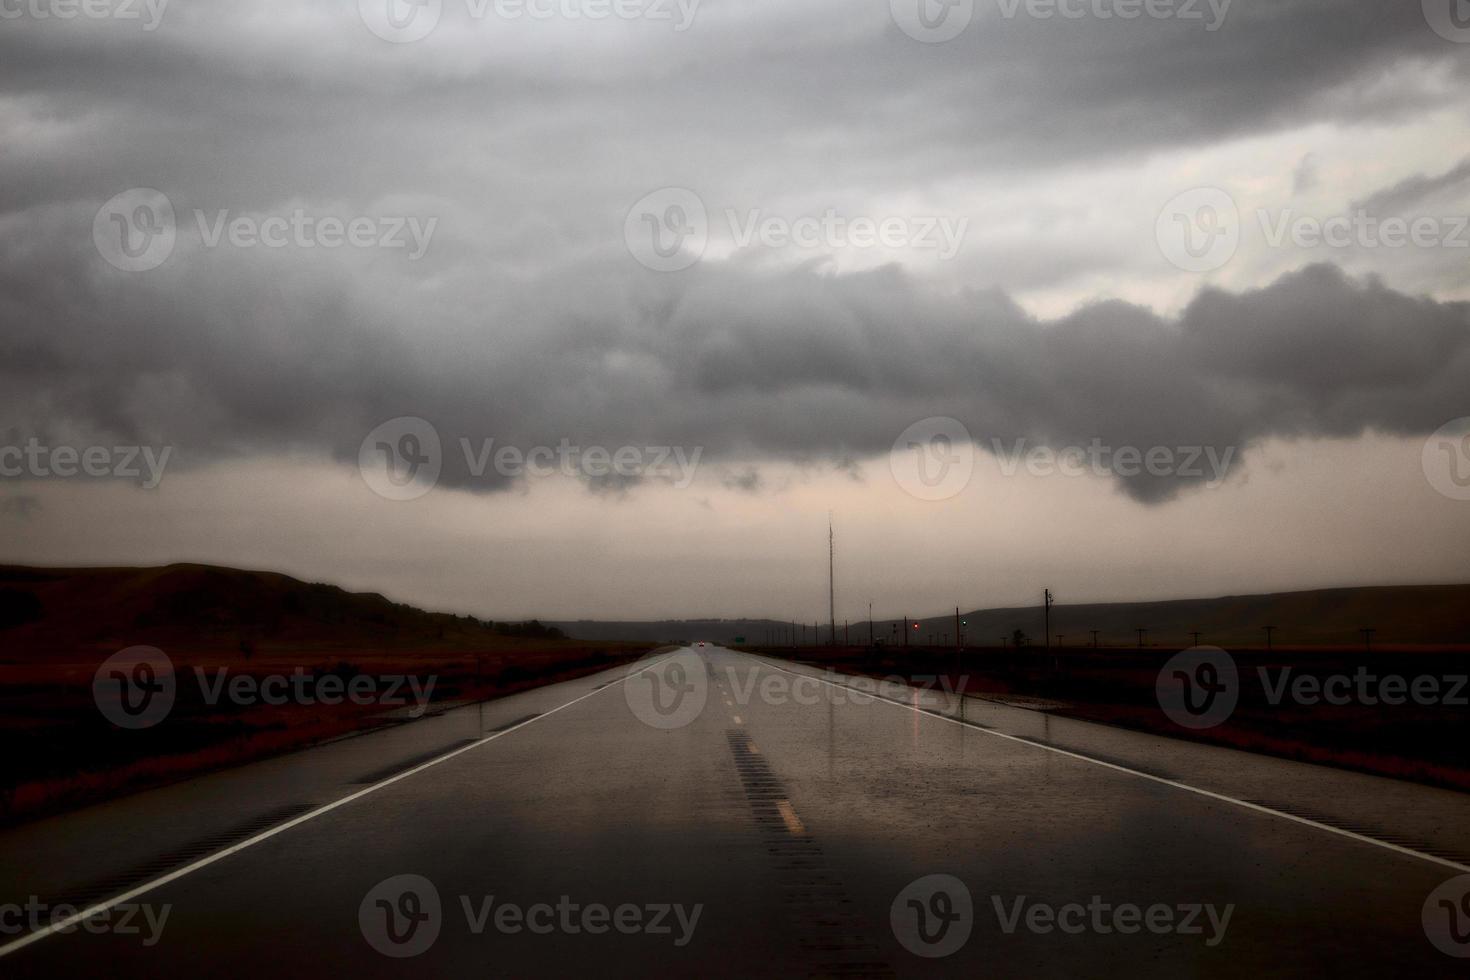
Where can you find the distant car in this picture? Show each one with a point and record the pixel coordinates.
(701, 643)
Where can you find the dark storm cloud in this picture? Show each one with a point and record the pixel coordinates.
(525, 323)
(221, 107)
(233, 359)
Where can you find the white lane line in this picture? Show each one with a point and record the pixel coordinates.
(1244, 804)
(138, 891)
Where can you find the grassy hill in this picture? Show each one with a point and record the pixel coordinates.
(57, 626)
(52, 611)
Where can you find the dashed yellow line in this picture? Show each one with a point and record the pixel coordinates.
(789, 817)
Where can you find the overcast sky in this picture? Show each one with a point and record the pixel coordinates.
(1129, 299)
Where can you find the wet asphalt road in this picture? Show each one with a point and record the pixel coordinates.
(714, 816)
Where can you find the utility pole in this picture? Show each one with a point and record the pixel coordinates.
(832, 577)
(1094, 638)
(1368, 638)
(959, 643)
(1142, 630)
(1195, 634)
(905, 631)
(1268, 630)
(870, 623)
(1046, 632)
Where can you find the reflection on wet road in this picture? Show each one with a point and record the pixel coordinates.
(712, 814)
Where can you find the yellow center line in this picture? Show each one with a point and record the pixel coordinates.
(789, 817)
